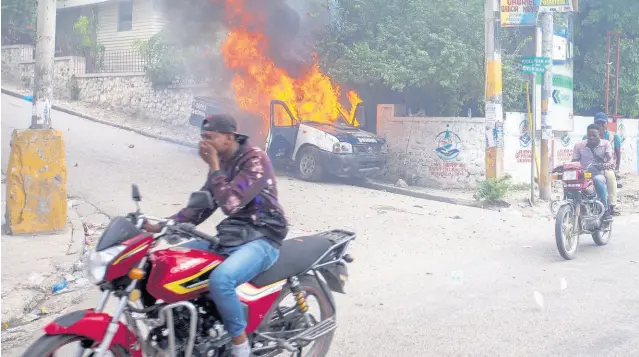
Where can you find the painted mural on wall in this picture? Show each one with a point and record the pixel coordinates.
(564, 152)
(448, 147)
(524, 153)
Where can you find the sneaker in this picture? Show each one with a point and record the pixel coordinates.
(614, 211)
(607, 216)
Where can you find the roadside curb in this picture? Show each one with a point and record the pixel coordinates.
(76, 245)
(65, 263)
(105, 122)
(368, 185)
(416, 194)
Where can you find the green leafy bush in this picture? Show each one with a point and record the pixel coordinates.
(493, 189)
(168, 61)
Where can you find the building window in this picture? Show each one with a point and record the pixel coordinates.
(125, 15)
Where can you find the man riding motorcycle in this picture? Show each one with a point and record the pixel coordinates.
(242, 181)
(591, 152)
(611, 176)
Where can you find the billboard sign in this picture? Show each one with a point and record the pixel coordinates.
(515, 13)
(556, 6)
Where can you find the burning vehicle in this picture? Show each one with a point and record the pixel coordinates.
(283, 100)
(312, 149)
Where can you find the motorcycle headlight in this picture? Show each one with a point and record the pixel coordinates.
(99, 261)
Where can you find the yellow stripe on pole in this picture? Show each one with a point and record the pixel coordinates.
(493, 78)
(36, 182)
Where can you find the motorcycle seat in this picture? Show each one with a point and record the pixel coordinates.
(296, 256)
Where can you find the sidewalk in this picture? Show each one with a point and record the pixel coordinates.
(32, 264)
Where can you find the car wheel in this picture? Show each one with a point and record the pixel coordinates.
(309, 166)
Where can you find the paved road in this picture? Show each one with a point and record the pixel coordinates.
(430, 279)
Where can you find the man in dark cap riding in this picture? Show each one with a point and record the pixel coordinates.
(242, 181)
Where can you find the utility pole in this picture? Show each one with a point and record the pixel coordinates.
(546, 90)
(44, 62)
(494, 109)
(37, 171)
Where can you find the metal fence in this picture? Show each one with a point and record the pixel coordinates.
(120, 61)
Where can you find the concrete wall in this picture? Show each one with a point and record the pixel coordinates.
(415, 147)
(128, 93)
(439, 152)
(64, 68)
(517, 144)
(12, 56)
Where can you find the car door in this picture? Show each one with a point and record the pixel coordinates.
(283, 130)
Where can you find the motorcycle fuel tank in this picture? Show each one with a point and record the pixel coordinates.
(180, 273)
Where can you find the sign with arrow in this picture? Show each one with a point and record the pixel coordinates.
(555, 96)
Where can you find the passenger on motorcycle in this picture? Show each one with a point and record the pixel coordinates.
(242, 182)
(611, 176)
(595, 154)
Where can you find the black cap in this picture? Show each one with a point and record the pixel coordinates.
(221, 123)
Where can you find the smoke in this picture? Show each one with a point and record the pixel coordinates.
(291, 26)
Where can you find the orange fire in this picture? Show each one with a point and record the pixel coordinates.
(258, 80)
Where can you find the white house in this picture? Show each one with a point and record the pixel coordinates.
(122, 22)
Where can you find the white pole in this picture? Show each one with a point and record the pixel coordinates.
(43, 74)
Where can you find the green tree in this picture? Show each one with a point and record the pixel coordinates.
(592, 22)
(18, 21)
(428, 52)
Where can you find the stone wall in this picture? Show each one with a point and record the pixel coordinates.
(12, 56)
(134, 94)
(63, 71)
(438, 152)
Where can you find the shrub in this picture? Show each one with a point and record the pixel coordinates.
(493, 189)
(167, 61)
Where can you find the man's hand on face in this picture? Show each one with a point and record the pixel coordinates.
(209, 154)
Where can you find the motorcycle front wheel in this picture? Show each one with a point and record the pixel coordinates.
(566, 235)
(65, 345)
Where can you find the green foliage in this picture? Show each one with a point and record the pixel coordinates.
(18, 21)
(429, 55)
(169, 60)
(594, 19)
(429, 50)
(493, 190)
(85, 30)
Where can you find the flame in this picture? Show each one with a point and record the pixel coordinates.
(258, 80)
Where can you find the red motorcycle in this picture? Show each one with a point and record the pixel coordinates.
(580, 211)
(163, 292)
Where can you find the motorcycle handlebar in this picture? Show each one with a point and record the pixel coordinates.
(190, 228)
(169, 224)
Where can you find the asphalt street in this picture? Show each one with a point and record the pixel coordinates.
(429, 279)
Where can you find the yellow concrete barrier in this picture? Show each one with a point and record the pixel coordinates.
(36, 182)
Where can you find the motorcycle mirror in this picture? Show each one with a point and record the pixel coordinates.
(135, 193)
(201, 200)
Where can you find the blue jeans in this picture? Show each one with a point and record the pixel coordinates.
(601, 188)
(243, 263)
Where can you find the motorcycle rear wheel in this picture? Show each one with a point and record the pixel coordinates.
(602, 237)
(310, 286)
(566, 236)
(48, 345)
